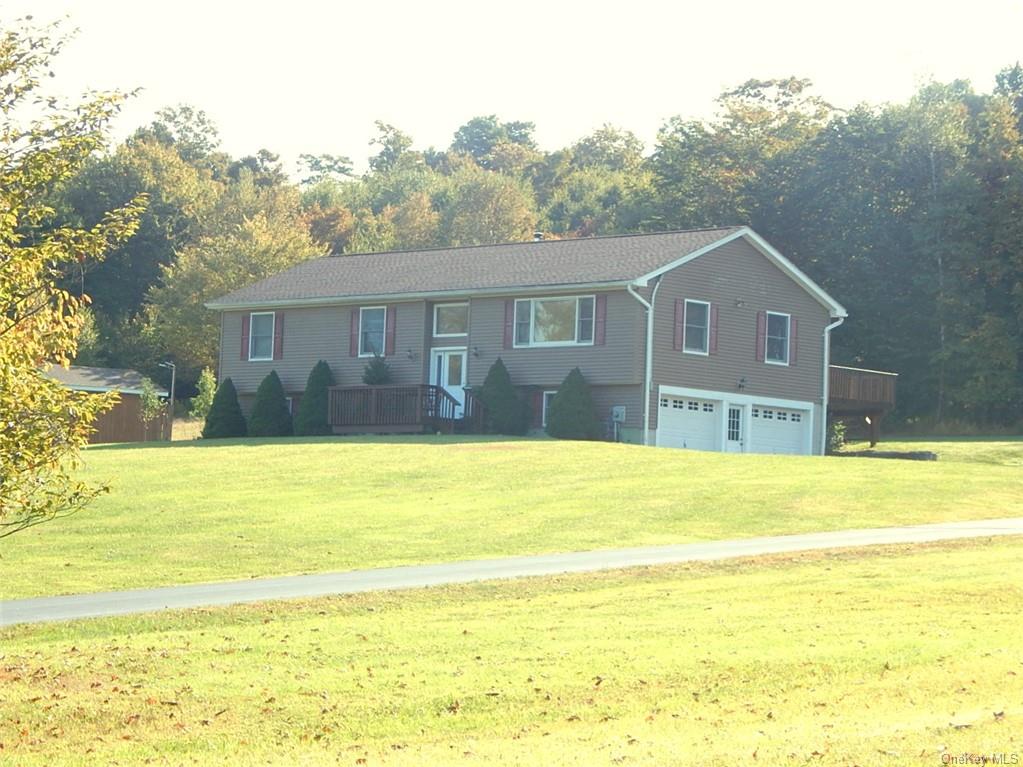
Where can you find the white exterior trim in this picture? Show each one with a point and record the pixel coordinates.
(706, 330)
(543, 406)
(273, 331)
(531, 344)
(437, 306)
(747, 400)
(758, 242)
(383, 350)
(788, 337)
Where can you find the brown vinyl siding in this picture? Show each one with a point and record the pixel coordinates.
(737, 273)
(315, 333)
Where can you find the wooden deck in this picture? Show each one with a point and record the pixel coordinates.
(391, 409)
(859, 395)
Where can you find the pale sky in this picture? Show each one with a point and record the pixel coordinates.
(304, 76)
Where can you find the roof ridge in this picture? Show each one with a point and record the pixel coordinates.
(536, 242)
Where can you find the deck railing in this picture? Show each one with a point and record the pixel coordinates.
(391, 408)
(860, 388)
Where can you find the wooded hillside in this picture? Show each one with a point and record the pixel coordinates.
(910, 214)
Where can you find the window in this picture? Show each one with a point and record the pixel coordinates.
(678, 404)
(708, 407)
(664, 402)
(261, 336)
(756, 412)
(696, 334)
(547, 397)
(371, 330)
(783, 415)
(694, 405)
(450, 319)
(777, 351)
(554, 321)
(796, 417)
(734, 428)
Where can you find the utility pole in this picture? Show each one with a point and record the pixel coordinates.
(170, 422)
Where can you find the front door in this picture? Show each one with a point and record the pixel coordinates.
(447, 370)
(733, 430)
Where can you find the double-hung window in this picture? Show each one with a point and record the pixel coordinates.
(261, 336)
(696, 338)
(372, 321)
(777, 338)
(558, 321)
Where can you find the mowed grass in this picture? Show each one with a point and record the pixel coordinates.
(188, 512)
(880, 656)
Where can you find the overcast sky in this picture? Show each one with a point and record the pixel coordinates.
(312, 77)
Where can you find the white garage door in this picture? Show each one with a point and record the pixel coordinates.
(690, 423)
(779, 430)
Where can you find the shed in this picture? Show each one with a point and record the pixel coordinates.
(123, 422)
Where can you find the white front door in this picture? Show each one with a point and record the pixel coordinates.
(734, 427)
(448, 371)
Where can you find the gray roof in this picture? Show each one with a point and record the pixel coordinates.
(587, 261)
(99, 379)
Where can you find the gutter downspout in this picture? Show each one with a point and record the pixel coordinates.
(649, 306)
(827, 382)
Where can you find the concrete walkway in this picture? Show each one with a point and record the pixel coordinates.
(260, 589)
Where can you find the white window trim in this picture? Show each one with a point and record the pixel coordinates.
(383, 351)
(273, 331)
(531, 344)
(543, 406)
(706, 330)
(451, 335)
(788, 337)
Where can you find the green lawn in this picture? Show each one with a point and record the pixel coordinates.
(188, 512)
(883, 656)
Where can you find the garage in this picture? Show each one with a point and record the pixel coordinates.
(733, 422)
(779, 430)
(689, 422)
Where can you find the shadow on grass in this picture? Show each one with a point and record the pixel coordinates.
(438, 440)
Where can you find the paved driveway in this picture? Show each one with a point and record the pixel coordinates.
(292, 586)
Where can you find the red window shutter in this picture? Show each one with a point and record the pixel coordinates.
(600, 320)
(761, 334)
(353, 335)
(680, 321)
(278, 335)
(245, 336)
(793, 340)
(392, 316)
(509, 323)
(537, 406)
(713, 328)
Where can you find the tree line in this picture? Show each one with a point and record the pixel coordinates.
(910, 214)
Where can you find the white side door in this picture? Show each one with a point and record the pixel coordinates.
(448, 371)
(735, 429)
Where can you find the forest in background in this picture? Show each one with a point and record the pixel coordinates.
(910, 214)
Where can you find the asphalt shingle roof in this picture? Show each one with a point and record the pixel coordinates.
(547, 263)
(104, 379)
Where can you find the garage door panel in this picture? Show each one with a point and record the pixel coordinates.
(779, 430)
(689, 423)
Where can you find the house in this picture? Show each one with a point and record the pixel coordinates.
(123, 422)
(707, 339)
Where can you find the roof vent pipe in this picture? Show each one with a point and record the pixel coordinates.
(537, 236)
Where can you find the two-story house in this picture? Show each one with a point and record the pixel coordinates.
(707, 339)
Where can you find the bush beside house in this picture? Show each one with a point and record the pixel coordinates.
(311, 418)
(225, 418)
(270, 416)
(506, 412)
(377, 372)
(571, 413)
